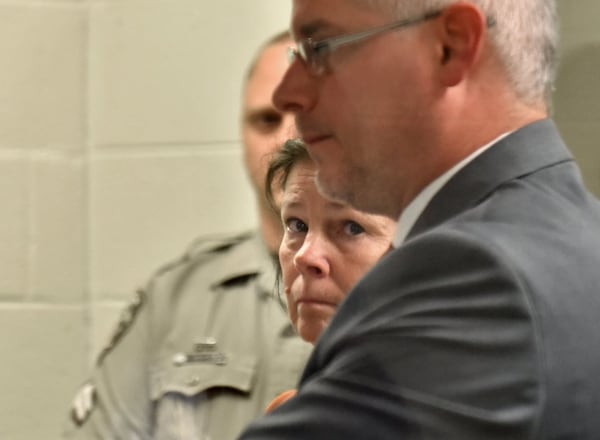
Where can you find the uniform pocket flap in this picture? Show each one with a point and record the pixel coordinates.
(194, 377)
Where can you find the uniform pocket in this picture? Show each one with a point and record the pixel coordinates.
(180, 394)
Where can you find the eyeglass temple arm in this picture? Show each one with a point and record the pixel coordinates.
(346, 39)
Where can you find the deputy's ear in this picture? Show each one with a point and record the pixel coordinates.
(461, 30)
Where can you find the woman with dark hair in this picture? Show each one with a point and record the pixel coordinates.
(326, 248)
(327, 245)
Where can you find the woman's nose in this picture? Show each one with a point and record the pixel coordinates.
(311, 259)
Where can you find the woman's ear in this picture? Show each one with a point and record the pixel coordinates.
(461, 31)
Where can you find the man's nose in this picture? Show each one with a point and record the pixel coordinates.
(296, 92)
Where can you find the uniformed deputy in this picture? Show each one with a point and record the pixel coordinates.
(205, 345)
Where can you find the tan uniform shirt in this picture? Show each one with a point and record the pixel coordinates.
(199, 353)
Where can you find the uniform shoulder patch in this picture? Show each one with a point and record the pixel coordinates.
(127, 318)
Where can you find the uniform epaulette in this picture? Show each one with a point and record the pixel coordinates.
(209, 244)
(216, 243)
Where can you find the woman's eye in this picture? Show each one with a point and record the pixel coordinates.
(353, 228)
(296, 225)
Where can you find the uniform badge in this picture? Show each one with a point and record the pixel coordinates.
(204, 351)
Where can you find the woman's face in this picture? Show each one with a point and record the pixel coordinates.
(326, 248)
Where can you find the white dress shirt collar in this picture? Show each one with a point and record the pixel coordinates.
(415, 208)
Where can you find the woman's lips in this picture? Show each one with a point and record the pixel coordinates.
(309, 303)
(314, 302)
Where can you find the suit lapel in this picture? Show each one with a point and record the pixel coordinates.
(533, 147)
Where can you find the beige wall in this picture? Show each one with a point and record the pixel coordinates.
(577, 95)
(119, 144)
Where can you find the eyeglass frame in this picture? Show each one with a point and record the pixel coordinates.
(313, 53)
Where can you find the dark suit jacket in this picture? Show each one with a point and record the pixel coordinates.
(484, 324)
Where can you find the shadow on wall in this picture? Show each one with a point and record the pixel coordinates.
(577, 108)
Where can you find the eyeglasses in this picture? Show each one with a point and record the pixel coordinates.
(314, 54)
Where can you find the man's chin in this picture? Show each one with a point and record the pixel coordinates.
(330, 189)
(335, 190)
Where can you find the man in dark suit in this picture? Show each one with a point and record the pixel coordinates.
(483, 323)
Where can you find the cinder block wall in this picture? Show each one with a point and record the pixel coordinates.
(44, 226)
(577, 94)
(119, 144)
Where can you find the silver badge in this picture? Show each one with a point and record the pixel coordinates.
(205, 351)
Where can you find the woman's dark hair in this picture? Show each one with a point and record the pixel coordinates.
(280, 166)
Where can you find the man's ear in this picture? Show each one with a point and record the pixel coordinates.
(461, 30)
